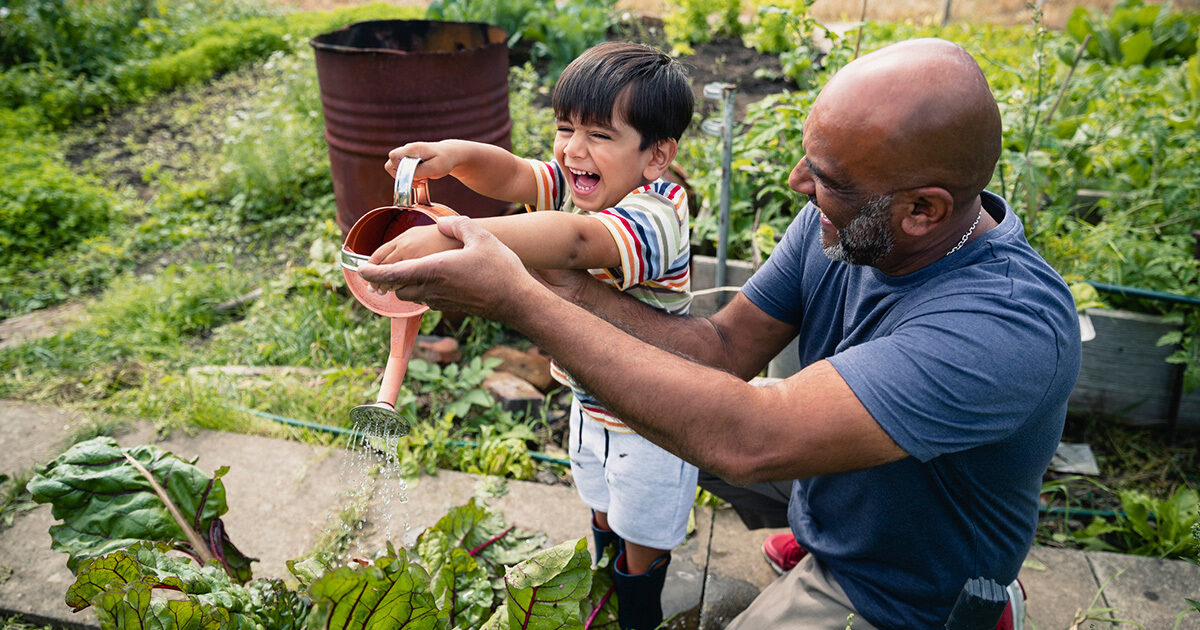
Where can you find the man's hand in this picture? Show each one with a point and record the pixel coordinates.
(414, 242)
(482, 278)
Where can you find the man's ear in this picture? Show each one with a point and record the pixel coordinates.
(927, 208)
(661, 155)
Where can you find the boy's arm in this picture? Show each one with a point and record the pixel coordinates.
(542, 240)
(487, 169)
(556, 240)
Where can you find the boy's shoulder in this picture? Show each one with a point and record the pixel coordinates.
(662, 192)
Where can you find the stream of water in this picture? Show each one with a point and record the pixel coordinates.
(376, 487)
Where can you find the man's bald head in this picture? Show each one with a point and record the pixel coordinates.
(917, 113)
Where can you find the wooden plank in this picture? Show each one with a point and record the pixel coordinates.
(1125, 373)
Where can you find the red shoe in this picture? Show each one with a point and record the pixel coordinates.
(783, 552)
(1013, 617)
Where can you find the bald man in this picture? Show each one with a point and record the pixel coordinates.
(938, 349)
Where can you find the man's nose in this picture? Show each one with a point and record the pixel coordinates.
(801, 179)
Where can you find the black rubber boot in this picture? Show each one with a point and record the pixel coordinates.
(639, 597)
(603, 538)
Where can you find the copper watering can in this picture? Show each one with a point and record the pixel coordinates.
(411, 207)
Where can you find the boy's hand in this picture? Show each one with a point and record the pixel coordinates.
(415, 242)
(438, 159)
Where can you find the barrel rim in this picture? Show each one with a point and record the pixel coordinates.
(489, 29)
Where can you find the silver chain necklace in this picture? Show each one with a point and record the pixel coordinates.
(963, 241)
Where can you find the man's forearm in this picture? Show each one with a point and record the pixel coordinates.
(663, 396)
(693, 337)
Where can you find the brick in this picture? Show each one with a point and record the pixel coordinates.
(531, 365)
(440, 350)
(512, 392)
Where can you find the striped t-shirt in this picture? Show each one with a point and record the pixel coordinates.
(650, 227)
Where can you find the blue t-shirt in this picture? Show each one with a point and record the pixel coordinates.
(967, 364)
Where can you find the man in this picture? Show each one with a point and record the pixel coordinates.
(938, 350)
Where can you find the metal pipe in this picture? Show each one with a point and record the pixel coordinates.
(724, 92)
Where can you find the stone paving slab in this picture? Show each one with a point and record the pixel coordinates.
(32, 434)
(737, 571)
(37, 587)
(1058, 584)
(1150, 591)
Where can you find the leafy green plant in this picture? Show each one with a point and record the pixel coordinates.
(691, 22)
(531, 124)
(1146, 526)
(513, 16)
(786, 28)
(456, 575)
(562, 32)
(16, 623)
(500, 453)
(1195, 603)
(120, 587)
(44, 207)
(1135, 33)
(14, 498)
(553, 33)
(764, 151)
(454, 389)
(94, 483)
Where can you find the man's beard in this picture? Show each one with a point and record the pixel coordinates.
(868, 238)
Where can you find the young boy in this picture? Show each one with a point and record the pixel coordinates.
(620, 110)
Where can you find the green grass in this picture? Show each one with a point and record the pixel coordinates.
(15, 622)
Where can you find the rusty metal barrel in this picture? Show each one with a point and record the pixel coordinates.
(385, 83)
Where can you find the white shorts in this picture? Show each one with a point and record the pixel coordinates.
(646, 491)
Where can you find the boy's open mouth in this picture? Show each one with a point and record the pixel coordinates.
(584, 181)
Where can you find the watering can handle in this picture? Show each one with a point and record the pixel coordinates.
(407, 193)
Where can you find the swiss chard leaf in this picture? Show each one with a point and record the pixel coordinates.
(545, 591)
(485, 535)
(391, 594)
(600, 605)
(106, 504)
(121, 587)
(460, 586)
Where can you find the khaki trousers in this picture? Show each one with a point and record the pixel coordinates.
(805, 598)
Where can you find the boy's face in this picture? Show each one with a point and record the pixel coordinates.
(602, 163)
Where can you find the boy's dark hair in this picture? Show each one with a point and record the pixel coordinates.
(650, 86)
